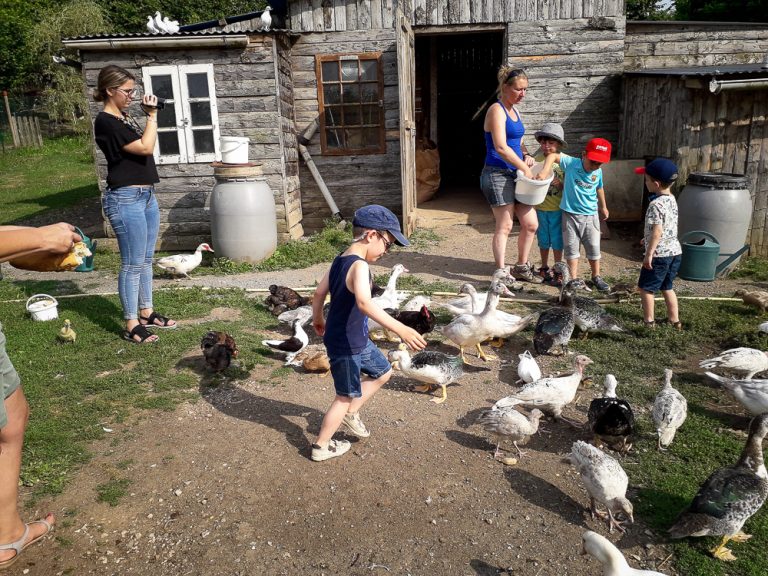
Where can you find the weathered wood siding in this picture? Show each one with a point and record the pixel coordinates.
(574, 68)
(247, 98)
(352, 180)
(666, 44)
(342, 15)
(702, 132)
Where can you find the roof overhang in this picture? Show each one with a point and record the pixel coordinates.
(158, 42)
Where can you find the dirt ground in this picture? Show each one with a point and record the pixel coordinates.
(224, 485)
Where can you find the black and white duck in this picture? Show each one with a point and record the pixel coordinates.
(670, 409)
(509, 424)
(729, 497)
(431, 367)
(611, 419)
(291, 346)
(554, 328)
(590, 316)
(745, 362)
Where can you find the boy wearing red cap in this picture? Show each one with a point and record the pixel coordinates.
(583, 204)
(663, 252)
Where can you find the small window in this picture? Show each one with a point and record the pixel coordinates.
(350, 95)
(188, 126)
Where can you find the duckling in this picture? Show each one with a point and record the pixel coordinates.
(611, 419)
(313, 358)
(613, 561)
(670, 409)
(67, 334)
(755, 298)
(605, 480)
(509, 424)
(729, 497)
(623, 290)
(744, 361)
(432, 368)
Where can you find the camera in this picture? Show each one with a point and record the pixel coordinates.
(160, 104)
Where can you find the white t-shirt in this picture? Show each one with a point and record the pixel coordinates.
(663, 211)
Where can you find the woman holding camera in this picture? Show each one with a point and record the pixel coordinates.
(129, 202)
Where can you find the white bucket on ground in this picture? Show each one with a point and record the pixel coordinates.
(532, 192)
(43, 307)
(234, 149)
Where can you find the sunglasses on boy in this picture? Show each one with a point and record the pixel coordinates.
(387, 243)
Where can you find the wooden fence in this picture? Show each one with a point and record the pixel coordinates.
(26, 130)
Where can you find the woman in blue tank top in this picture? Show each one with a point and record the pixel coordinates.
(505, 155)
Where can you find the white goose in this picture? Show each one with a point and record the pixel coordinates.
(613, 561)
(183, 264)
(743, 361)
(670, 409)
(390, 298)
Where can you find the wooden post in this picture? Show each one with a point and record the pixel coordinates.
(14, 133)
(38, 132)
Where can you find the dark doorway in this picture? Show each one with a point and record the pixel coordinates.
(456, 76)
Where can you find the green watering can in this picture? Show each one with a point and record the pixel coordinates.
(87, 265)
(699, 258)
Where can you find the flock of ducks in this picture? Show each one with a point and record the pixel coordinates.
(724, 502)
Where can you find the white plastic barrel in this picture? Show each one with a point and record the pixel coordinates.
(234, 149)
(719, 204)
(243, 218)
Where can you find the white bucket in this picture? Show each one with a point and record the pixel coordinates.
(43, 307)
(234, 149)
(532, 192)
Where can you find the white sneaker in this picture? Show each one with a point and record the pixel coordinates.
(355, 425)
(335, 448)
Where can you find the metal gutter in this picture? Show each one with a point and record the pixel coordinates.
(160, 42)
(717, 86)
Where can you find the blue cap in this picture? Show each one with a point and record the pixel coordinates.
(375, 217)
(661, 169)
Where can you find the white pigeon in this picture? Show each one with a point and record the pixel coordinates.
(159, 22)
(613, 561)
(151, 25)
(266, 19)
(528, 370)
(670, 410)
(743, 361)
(183, 264)
(605, 480)
(170, 26)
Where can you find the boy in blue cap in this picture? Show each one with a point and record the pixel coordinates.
(663, 252)
(345, 332)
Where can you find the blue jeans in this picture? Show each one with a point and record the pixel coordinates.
(135, 217)
(346, 370)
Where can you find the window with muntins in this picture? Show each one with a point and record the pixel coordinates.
(188, 126)
(350, 94)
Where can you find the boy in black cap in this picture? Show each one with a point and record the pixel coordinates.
(663, 252)
(345, 332)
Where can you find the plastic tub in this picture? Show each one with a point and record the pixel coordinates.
(532, 192)
(234, 149)
(43, 307)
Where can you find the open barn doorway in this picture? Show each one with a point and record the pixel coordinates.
(455, 78)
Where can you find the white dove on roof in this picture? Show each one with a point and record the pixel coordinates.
(171, 26)
(266, 19)
(151, 25)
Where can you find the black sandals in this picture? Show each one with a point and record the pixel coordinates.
(139, 331)
(151, 321)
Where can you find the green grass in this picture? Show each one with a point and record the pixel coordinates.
(58, 175)
(752, 268)
(111, 492)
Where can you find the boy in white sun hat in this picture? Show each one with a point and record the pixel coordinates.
(549, 234)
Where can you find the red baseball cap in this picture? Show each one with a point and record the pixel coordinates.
(599, 150)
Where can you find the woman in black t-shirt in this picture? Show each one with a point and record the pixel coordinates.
(129, 201)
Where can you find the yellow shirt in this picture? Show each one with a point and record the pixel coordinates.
(554, 195)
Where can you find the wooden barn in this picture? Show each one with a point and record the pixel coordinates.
(381, 77)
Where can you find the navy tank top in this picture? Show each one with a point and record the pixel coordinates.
(346, 328)
(515, 131)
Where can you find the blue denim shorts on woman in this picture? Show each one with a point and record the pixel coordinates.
(661, 276)
(346, 370)
(498, 185)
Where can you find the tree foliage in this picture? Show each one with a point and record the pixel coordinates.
(648, 10)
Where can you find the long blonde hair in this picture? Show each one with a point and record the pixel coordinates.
(508, 74)
(111, 76)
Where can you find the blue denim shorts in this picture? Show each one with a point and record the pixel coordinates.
(661, 276)
(346, 370)
(550, 233)
(498, 185)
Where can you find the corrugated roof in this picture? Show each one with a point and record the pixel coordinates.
(207, 32)
(708, 71)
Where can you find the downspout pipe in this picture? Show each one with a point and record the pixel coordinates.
(717, 86)
(304, 139)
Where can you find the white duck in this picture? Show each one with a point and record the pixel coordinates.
(151, 25)
(265, 19)
(472, 329)
(752, 394)
(550, 395)
(613, 561)
(432, 368)
(183, 264)
(415, 303)
(390, 298)
(670, 409)
(605, 481)
(527, 369)
(509, 424)
(743, 361)
(170, 26)
(291, 346)
(471, 301)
